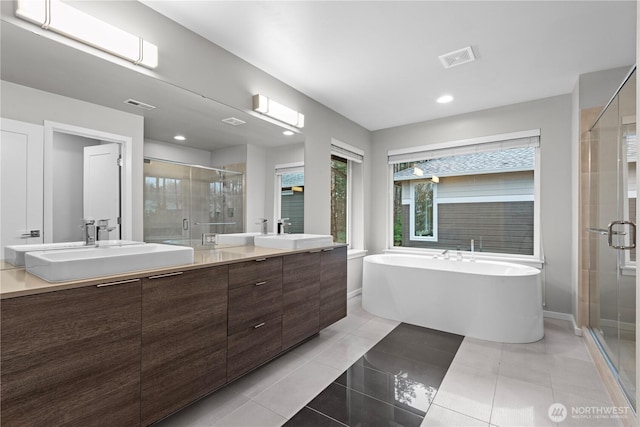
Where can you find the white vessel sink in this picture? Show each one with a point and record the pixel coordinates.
(76, 264)
(293, 241)
(15, 253)
(236, 239)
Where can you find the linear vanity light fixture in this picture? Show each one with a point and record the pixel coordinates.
(277, 111)
(56, 16)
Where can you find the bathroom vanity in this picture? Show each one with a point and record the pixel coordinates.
(131, 349)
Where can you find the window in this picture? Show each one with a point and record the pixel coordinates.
(446, 195)
(423, 211)
(346, 164)
(290, 196)
(339, 193)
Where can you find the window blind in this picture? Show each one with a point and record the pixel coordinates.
(341, 149)
(478, 145)
(289, 168)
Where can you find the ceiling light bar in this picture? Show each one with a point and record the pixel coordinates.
(56, 16)
(277, 111)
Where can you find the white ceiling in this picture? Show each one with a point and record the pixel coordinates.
(376, 62)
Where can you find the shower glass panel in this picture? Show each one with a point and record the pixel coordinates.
(182, 202)
(612, 260)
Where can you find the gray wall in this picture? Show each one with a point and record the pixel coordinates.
(553, 117)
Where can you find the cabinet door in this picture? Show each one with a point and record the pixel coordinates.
(72, 357)
(300, 297)
(184, 339)
(253, 346)
(333, 285)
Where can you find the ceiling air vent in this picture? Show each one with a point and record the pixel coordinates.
(139, 104)
(457, 57)
(233, 121)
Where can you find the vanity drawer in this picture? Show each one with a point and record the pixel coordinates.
(253, 346)
(252, 272)
(252, 304)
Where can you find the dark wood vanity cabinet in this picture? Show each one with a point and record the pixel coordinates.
(300, 297)
(184, 339)
(255, 314)
(72, 357)
(333, 285)
(132, 352)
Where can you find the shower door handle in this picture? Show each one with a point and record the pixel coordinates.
(611, 232)
(185, 224)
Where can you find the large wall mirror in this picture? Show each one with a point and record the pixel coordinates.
(48, 81)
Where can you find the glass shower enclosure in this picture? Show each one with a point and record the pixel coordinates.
(184, 202)
(612, 234)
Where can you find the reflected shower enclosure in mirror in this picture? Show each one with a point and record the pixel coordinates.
(183, 202)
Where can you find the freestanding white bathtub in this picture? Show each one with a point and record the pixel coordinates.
(495, 301)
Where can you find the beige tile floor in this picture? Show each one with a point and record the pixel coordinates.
(487, 384)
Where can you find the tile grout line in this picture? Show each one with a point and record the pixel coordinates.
(325, 415)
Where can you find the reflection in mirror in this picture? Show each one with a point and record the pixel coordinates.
(69, 85)
(185, 204)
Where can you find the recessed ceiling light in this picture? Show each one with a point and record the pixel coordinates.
(287, 132)
(179, 138)
(444, 99)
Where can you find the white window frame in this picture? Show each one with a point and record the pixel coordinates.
(419, 153)
(352, 155)
(412, 213)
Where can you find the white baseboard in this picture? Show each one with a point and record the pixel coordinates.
(564, 316)
(354, 293)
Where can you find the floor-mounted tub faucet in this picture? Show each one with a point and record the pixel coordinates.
(473, 250)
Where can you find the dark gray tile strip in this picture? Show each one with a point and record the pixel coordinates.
(394, 383)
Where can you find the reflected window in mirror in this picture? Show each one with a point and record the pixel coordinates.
(289, 193)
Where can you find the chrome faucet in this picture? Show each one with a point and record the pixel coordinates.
(282, 224)
(444, 254)
(473, 257)
(89, 231)
(264, 225)
(103, 229)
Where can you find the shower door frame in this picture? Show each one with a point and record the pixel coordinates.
(612, 357)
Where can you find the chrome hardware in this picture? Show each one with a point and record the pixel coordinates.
(263, 225)
(261, 283)
(327, 249)
(259, 325)
(611, 232)
(89, 230)
(315, 252)
(31, 233)
(122, 282)
(601, 231)
(185, 224)
(103, 229)
(160, 276)
(281, 225)
(260, 259)
(209, 239)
